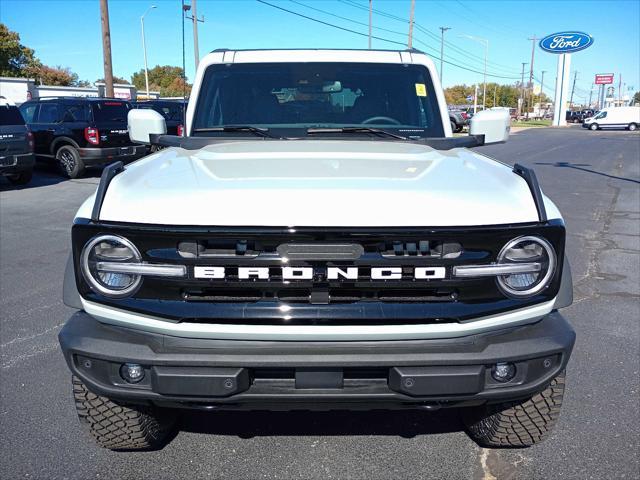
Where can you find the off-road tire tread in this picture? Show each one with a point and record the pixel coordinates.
(518, 424)
(118, 426)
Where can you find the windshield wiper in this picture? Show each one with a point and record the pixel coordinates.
(375, 131)
(261, 132)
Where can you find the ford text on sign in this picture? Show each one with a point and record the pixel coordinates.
(566, 42)
(604, 78)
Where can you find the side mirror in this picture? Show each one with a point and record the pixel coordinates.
(144, 122)
(493, 124)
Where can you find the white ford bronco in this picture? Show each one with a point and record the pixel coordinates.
(318, 239)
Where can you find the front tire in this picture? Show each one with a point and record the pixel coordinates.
(69, 161)
(517, 424)
(632, 127)
(593, 126)
(117, 426)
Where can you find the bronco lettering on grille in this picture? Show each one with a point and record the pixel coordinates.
(332, 273)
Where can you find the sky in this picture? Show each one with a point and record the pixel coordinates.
(67, 33)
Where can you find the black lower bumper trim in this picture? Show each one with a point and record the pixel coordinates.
(260, 374)
(11, 164)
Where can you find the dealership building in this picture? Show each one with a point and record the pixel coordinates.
(19, 90)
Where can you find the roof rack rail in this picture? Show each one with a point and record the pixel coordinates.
(108, 173)
(530, 177)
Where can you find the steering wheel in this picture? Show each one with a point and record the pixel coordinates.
(383, 119)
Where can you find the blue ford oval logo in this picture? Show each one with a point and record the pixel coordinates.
(566, 42)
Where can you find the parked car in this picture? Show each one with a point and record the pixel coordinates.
(458, 120)
(80, 132)
(16, 145)
(614, 117)
(171, 110)
(573, 117)
(317, 240)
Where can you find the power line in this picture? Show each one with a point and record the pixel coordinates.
(395, 32)
(355, 32)
(434, 36)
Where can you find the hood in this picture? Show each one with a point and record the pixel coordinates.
(318, 183)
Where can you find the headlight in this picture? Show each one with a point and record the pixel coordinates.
(538, 261)
(98, 259)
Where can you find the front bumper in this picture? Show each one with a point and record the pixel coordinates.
(234, 374)
(10, 164)
(102, 156)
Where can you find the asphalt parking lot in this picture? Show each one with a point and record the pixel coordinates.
(594, 177)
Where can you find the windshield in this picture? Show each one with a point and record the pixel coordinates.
(395, 97)
(10, 115)
(110, 111)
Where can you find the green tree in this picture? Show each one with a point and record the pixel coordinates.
(14, 57)
(497, 95)
(165, 78)
(59, 76)
(636, 98)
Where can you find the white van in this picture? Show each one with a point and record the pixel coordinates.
(614, 117)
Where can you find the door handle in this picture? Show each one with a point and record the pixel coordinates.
(51, 130)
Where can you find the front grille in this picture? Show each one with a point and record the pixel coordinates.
(317, 299)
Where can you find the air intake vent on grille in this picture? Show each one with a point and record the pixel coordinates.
(218, 248)
(422, 248)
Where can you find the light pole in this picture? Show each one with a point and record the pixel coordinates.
(485, 42)
(144, 50)
(442, 30)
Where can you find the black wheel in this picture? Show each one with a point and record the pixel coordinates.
(69, 161)
(453, 127)
(21, 178)
(117, 426)
(632, 127)
(517, 424)
(593, 126)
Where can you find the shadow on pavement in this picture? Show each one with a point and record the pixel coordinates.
(44, 176)
(402, 423)
(580, 166)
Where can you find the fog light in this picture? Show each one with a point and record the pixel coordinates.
(132, 372)
(503, 372)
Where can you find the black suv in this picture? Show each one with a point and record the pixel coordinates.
(16, 145)
(81, 132)
(171, 110)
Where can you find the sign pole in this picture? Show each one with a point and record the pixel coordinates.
(562, 88)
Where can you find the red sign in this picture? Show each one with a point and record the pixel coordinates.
(604, 78)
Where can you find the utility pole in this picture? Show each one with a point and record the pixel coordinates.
(521, 103)
(411, 15)
(370, 17)
(575, 76)
(620, 90)
(495, 91)
(475, 99)
(590, 95)
(442, 30)
(541, 90)
(484, 42)
(533, 52)
(106, 48)
(144, 51)
(194, 18)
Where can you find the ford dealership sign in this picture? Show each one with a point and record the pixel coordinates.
(566, 42)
